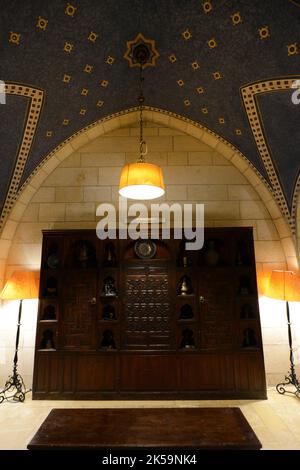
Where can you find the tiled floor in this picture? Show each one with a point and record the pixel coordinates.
(276, 421)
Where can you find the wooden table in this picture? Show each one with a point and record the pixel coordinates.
(169, 428)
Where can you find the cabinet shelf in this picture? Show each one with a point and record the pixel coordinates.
(47, 321)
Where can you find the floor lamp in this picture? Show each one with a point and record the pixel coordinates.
(285, 285)
(21, 285)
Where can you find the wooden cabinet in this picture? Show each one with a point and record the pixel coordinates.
(183, 324)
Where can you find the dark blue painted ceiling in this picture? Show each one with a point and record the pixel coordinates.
(250, 42)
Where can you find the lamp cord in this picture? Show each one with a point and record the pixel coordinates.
(141, 99)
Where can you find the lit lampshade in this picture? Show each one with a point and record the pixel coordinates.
(21, 285)
(284, 285)
(141, 181)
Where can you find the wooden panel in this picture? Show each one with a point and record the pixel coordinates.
(249, 372)
(50, 372)
(147, 372)
(78, 322)
(199, 372)
(69, 371)
(96, 373)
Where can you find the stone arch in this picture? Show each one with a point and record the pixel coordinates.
(157, 116)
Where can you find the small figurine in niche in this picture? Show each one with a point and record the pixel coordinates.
(49, 313)
(244, 287)
(107, 341)
(53, 258)
(242, 254)
(108, 313)
(186, 312)
(47, 341)
(249, 340)
(85, 254)
(110, 258)
(183, 257)
(247, 311)
(51, 287)
(109, 288)
(185, 287)
(187, 339)
(211, 255)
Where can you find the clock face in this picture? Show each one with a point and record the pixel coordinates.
(145, 249)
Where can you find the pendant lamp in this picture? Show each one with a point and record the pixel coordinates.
(141, 180)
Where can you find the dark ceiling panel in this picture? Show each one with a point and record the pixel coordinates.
(13, 116)
(238, 42)
(281, 121)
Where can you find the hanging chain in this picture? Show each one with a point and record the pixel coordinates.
(141, 99)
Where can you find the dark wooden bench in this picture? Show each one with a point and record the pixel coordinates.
(172, 428)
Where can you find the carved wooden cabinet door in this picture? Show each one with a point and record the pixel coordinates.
(146, 322)
(216, 309)
(79, 310)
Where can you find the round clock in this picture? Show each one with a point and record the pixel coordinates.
(145, 249)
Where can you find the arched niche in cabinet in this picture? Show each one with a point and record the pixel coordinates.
(186, 312)
(81, 253)
(109, 288)
(187, 340)
(109, 255)
(109, 312)
(247, 311)
(48, 312)
(245, 286)
(185, 286)
(249, 338)
(50, 286)
(47, 341)
(107, 340)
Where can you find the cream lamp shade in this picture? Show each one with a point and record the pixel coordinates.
(284, 285)
(141, 181)
(21, 285)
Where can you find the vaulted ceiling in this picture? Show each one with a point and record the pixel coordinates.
(229, 65)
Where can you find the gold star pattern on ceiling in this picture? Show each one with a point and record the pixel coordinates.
(172, 58)
(217, 75)
(68, 47)
(42, 23)
(110, 60)
(14, 37)
(236, 18)
(264, 32)
(140, 44)
(187, 35)
(212, 43)
(70, 10)
(66, 78)
(207, 7)
(195, 65)
(292, 49)
(93, 36)
(88, 68)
